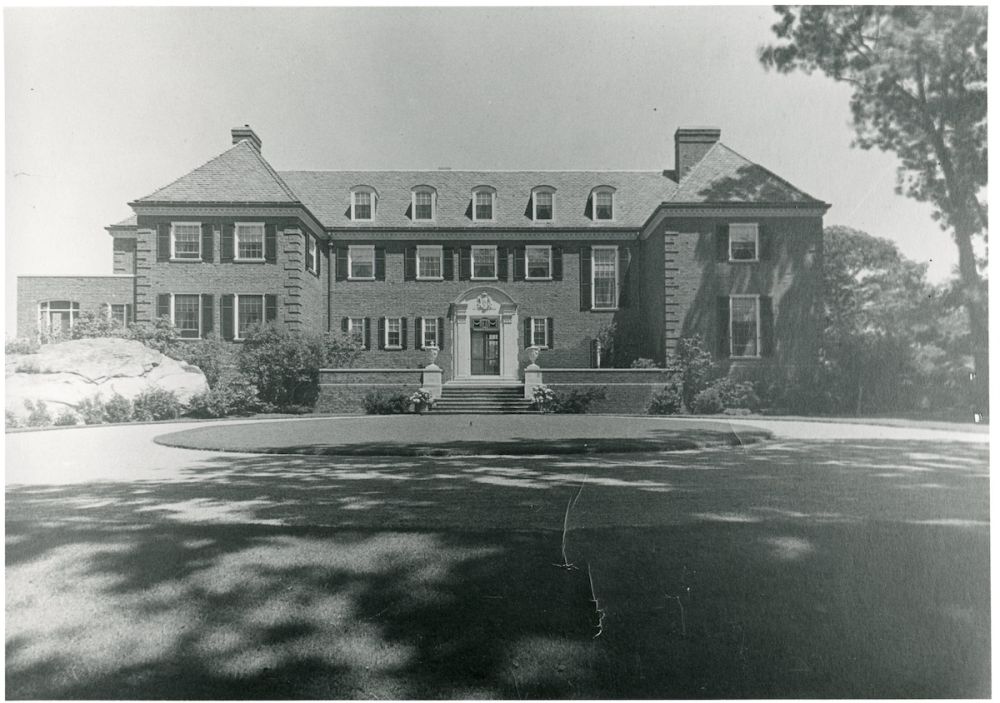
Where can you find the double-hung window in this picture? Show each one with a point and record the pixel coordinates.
(185, 240)
(429, 263)
(540, 332)
(604, 205)
(250, 241)
(604, 277)
(483, 201)
(361, 262)
(538, 263)
(249, 312)
(430, 332)
(744, 326)
(356, 330)
(744, 242)
(187, 315)
(393, 333)
(484, 263)
(543, 205)
(362, 205)
(311, 253)
(120, 314)
(423, 205)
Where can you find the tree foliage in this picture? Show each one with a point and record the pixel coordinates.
(919, 81)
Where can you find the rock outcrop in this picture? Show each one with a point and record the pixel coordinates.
(65, 374)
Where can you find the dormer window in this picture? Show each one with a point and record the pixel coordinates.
(423, 204)
(542, 204)
(363, 201)
(603, 203)
(483, 201)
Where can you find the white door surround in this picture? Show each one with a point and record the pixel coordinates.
(488, 302)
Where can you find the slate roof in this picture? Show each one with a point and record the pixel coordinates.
(238, 175)
(723, 176)
(327, 195)
(129, 222)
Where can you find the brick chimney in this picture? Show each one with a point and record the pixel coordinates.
(690, 145)
(244, 132)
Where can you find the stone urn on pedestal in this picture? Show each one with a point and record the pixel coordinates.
(532, 372)
(533, 353)
(432, 355)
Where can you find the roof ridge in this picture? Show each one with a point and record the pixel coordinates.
(771, 173)
(658, 172)
(701, 162)
(271, 170)
(185, 175)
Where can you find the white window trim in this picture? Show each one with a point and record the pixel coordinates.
(732, 353)
(74, 313)
(529, 277)
(236, 241)
(364, 330)
(431, 248)
(312, 247)
(756, 242)
(236, 312)
(128, 306)
(413, 205)
(493, 205)
(350, 262)
(385, 341)
(593, 278)
(545, 332)
(472, 264)
(423, 333)
(373, 200)
(173, 318)
(614, 209)
(173, 242)
(534, 204)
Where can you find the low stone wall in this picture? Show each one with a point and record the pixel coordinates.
(627, 390)
(343, 390)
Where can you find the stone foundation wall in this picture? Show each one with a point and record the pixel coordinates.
(343, 390)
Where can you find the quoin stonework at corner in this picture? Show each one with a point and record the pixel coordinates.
(480, 264)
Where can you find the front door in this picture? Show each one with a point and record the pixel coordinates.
(484, 348)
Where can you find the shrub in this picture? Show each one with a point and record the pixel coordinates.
(155, 404)
(696, 368)
(284, 365)
(542, 398)
(213, 356)
(21, 345)
(643, 363)
(669, 401)
(38, 414)
(89, 324)
(118, 409)
(232, 394)
(605, 341)
(577, 401)
(92, 410)
(161, 335)
(421, 400)
(725, 394)
(66, 418)
(385, 403)
(10, 420)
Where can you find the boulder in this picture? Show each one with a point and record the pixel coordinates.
(65, 374)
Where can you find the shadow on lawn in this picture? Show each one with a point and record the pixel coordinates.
(783, 570)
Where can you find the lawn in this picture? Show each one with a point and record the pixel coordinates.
(781, 569)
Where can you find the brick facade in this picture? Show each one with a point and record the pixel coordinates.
(91, 292)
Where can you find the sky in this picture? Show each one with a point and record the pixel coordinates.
(106, 105)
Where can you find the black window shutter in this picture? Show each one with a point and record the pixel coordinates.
(381, 333)
(766, 326)
(722, 242)
(226, 255)
(585, 295)
(449, 263)
(465, 264)
(764, 244)
(163, 241)
(410, 264)
(379, 263)
(163, 305)
(502, 268)
(441, 333)
(551, 328)
(368, 333)
(623, 261)
(270, 243)
(319, 257)
(402, 332)
(556, 263)
(207, 312)
(207, 243)
(527, 332)
(341, 264)
(419, 333)
(722, 325)
(519, 263)
(226, 316)
(270, 308)
(345, 325)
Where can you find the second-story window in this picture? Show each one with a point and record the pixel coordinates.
(250, 241)
(743, 242)
(538, 262)
(429, 262)
(311, 253)
(361, 262)
(483, 205)
(423, 205)
(484, 263)
(186, 240)
(604, 273)
(362, 205)
(543, 206)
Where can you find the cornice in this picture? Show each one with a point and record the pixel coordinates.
(489, 235)
(231, 210)
(713, 210)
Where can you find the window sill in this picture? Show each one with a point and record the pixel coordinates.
(393, 347)
(185, 260)
(733, 357)
(743, 261)
(486, 278)
(237, 260)
(597, 309)
(430, 278)
(538, 278)
(356, 278)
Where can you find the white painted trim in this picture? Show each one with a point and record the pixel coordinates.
(602, 190)
(543, 190)
(385, 341)
(236, 312)
(413, 203)
(423, 333)
(545, 332)
(236, 241)
(593, 279)
(440, 254)
(312, 247)
(756, 242)
(493, 203)
(173, 241)
(528, 277)
(472, 263)
(173, 317)
(756, 299)
(350, 261)
(372, 202)
(364, 325)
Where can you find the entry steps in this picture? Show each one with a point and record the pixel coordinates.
(481, 399)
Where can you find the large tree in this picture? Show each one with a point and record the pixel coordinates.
(919, 80)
